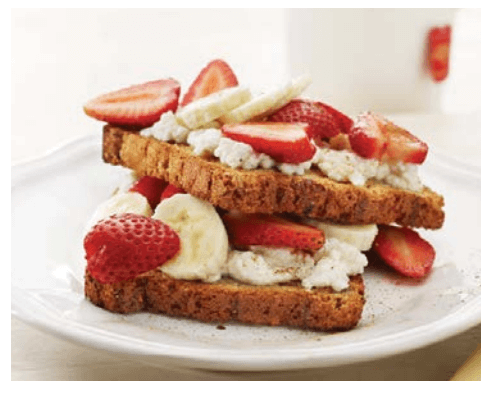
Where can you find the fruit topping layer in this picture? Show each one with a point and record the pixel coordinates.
(188, 239)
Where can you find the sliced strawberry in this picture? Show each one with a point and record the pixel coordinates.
(322, 122)
(373, 136)
(285, 142)
(344, 122)
(217, 75)
(137, 106)
(367, 139)
(265, 230)
(404, 250)
(150, 187)
(123, 246)
(171, 190)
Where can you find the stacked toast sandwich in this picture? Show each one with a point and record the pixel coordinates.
(254, 209)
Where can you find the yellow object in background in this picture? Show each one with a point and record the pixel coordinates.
(471, 369)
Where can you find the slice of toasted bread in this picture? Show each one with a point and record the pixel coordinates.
(228, 300)
(269, 191)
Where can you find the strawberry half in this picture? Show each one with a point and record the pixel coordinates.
(265, 230)
(404, 250)
(325, 121)
(150, 187)
(217, 75)
(136, 106)
(373, 136)
(284, 142)
(124, 246)
(171, 190)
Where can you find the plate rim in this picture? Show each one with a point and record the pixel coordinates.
(466, 317)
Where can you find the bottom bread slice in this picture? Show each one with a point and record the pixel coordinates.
(228, 300)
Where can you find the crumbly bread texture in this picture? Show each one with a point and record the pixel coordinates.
(230, 301)
(269, 191)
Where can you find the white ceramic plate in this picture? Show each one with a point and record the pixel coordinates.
(53, 197)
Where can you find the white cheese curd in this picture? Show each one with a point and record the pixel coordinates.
(241, 155)
(347, 166)
(330, 266)
(335, 262)
(294, 169)
(264, 265)
(204, 141)
(167, 129)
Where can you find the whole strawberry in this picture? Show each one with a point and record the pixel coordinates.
(324, 121)
(124, 246)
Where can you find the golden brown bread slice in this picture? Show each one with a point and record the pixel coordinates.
(269, 191)
(229, 300)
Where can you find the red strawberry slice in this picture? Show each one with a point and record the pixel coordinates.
(322, 123)
(373, 136)
(284, 142)
(171, 190)
(217, 75)
(404, 250)
(125, 245)
(344, 122)
(136, 106)
(150, 187)
(265, 230)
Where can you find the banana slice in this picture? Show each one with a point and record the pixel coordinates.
(298, 87)
(122, 202)
(204, 241)
(360, 236)
(203, 111)
(267, 103)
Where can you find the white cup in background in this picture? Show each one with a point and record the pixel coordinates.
(362, 59)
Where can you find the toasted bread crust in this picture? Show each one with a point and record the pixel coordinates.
(269, 191)
(229, 300)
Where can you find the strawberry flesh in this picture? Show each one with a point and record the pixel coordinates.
(284, 142)
(217, 75)
(136, 106)
(265, 230)
(150, 187)
(170, 191)
(404, 250)
(322, 123)
(373, 136)
(124, 246)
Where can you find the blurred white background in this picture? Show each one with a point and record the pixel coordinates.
(359, 59)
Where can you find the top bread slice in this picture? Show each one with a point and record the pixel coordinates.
(269, 191)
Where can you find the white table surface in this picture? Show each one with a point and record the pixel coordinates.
(36, 355)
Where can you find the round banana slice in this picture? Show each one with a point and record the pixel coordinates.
(360, 236)
(122, 202)
(204, 110)
(204, 241)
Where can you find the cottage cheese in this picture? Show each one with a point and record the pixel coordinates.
(332, 265)
(347, 166)
(341, 166)
(167, 129)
